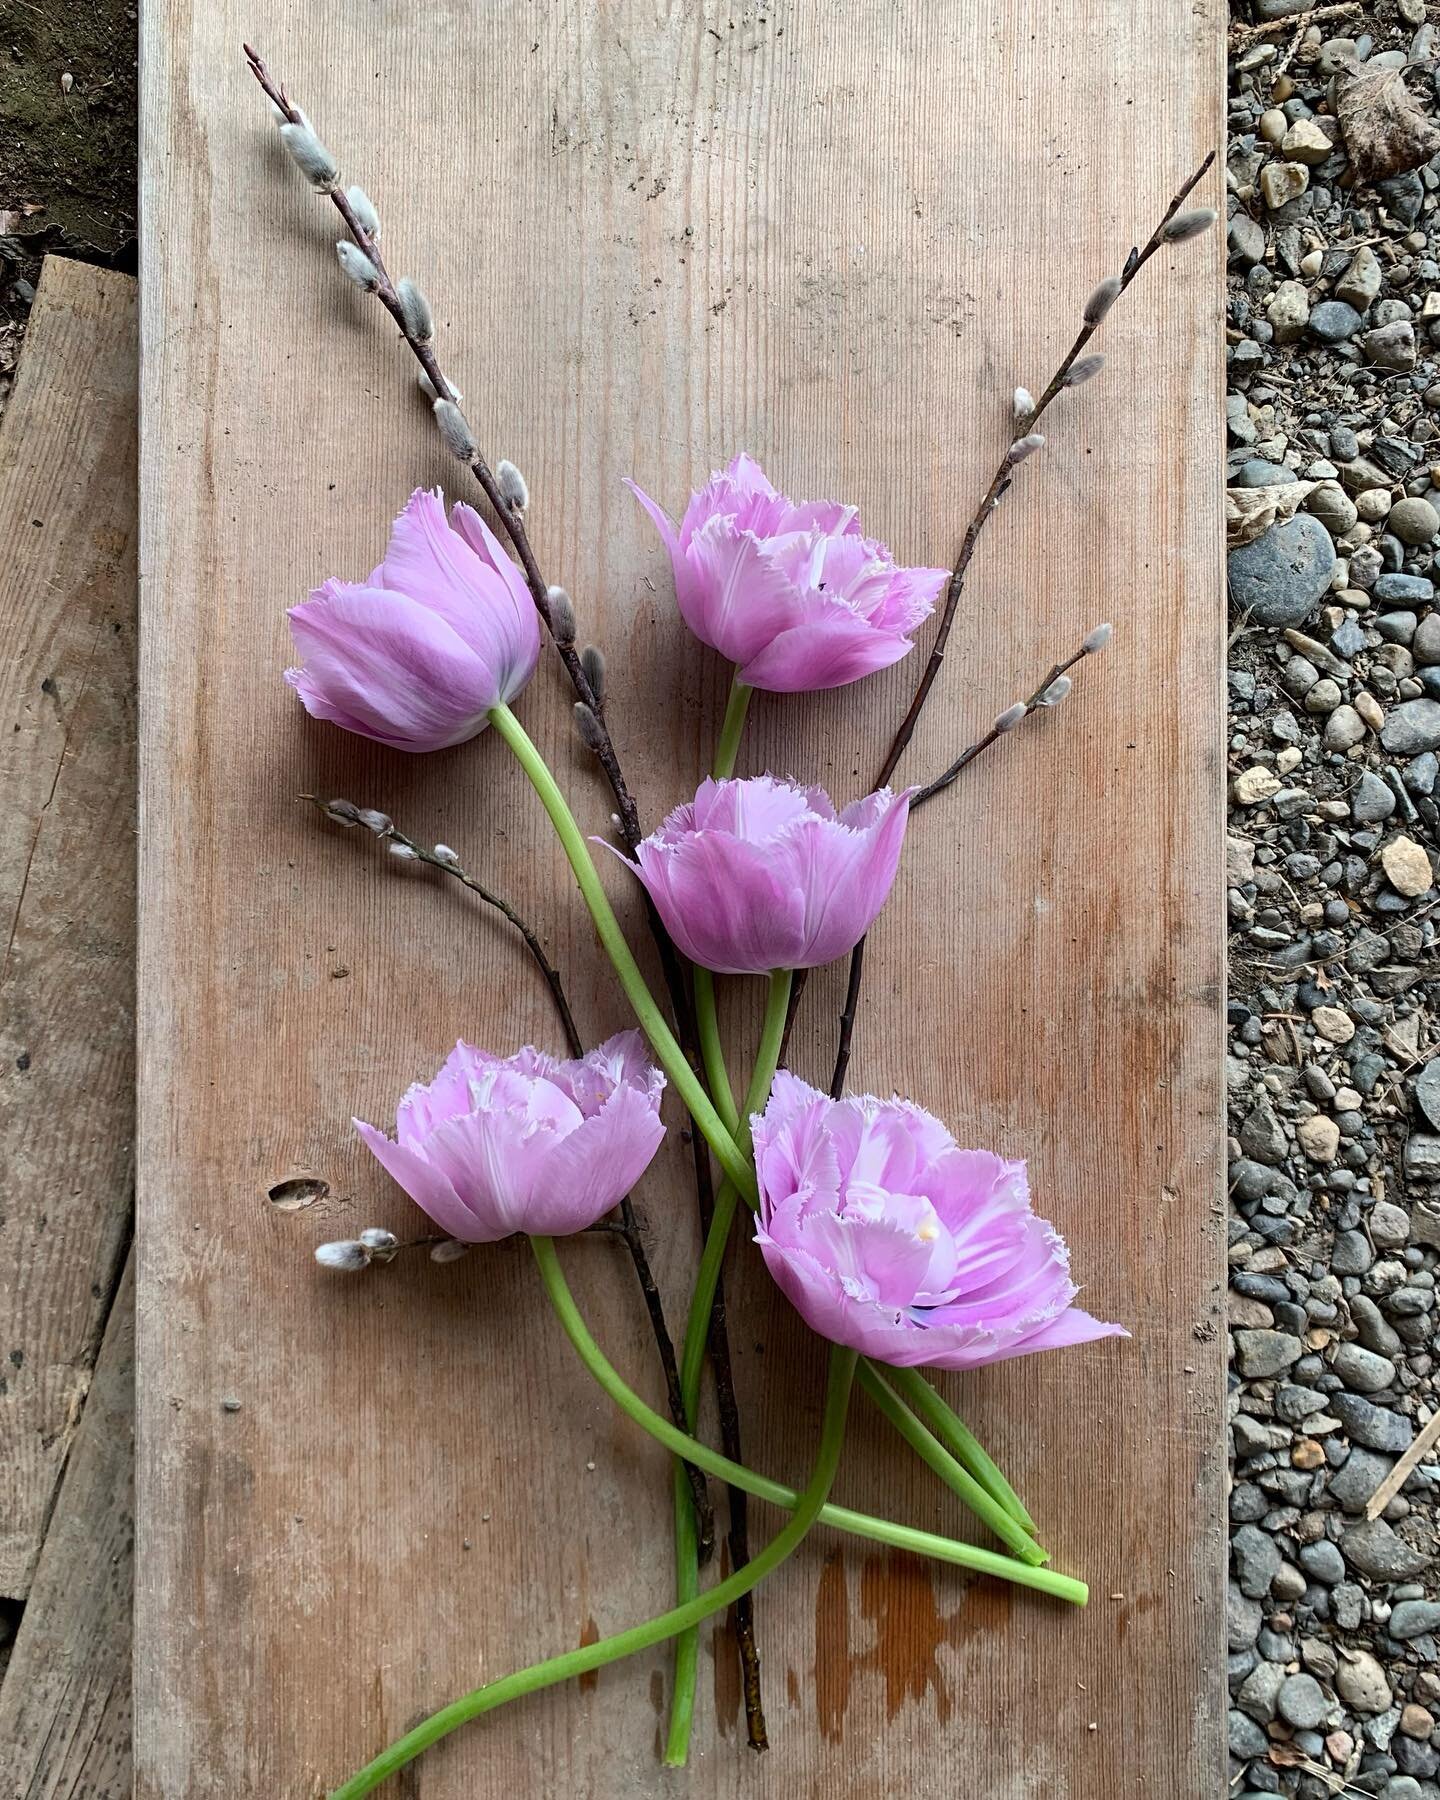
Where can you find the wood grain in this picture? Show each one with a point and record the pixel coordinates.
(65, 1702)
(837, 235)
(67, 884)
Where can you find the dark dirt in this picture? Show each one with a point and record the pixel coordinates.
(67, 145)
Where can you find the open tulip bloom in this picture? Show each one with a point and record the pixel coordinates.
(796, 596)
(901, 1249)
(492, 1147)
(761, 874)
(886, 1236)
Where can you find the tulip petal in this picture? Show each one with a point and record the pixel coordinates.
(393, 666)
(829, 648)
(722, 903)
(427, 1186)
(738, 596)
(596, 1165)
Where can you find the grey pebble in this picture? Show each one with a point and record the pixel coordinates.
(1280, 577)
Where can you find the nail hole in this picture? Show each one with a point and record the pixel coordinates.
(299, 1191)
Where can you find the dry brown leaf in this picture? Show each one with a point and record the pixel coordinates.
(1385, 131)
(1249, 511)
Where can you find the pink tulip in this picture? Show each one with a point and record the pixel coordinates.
(797, 597)
(416, 656)
(761, 874)
(887, 1238)
(525, 1143)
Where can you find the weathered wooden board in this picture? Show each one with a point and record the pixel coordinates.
(65, 1702)
(67, 882)
(836, 234)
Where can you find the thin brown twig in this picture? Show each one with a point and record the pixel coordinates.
(1035, 703)
(999, 486)
(512, 521)
(627, 1226)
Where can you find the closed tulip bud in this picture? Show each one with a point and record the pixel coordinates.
(1011, 717)
(404, 852)
(455, 429)
(1085, 370)
(592, 661)
(381, 1244)
(1024, 404)
(342, 812)
(588, 726)
(310, 157)
(363, 208)
(427, 388)
(1097, 638)
(562, 615)
(1189, 224)
(1102, 300)
(346, 1255)
(415, 312)
(448, 1250)
(417, 656)
(1025, 446)
(1058, 689)
(511, 484)
(444, 854)
(377, 822)
(356, 266)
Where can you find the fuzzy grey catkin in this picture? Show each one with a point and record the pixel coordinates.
(346, 1254)
(1025, 446)
(427, 388)
(356, 266)
(415, 313)
(592, 661)
(1103, 298)
(562, 615)
(514, 490)
(588, 726)
(1097, 638)
(1011, 717)
(310, 157)
(363, 208)
(1086, 369)
(454, 428)
(1190, 224)
(1057, 691)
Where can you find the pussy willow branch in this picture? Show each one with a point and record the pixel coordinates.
(1035, 703)
(994, 494)
(627, 1226)
(598, 737)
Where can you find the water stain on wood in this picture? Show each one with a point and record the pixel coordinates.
(897, 1596)
(589, 1634)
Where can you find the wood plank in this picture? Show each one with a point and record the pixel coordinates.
(835, 234)
(67, 769)
(65, 1702)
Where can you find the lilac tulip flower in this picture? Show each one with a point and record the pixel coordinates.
(886, 1237)
(525, 1143)
(416, 656)
(761, 874)
(797, 597)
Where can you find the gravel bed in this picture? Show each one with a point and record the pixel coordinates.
(1333, 1072)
